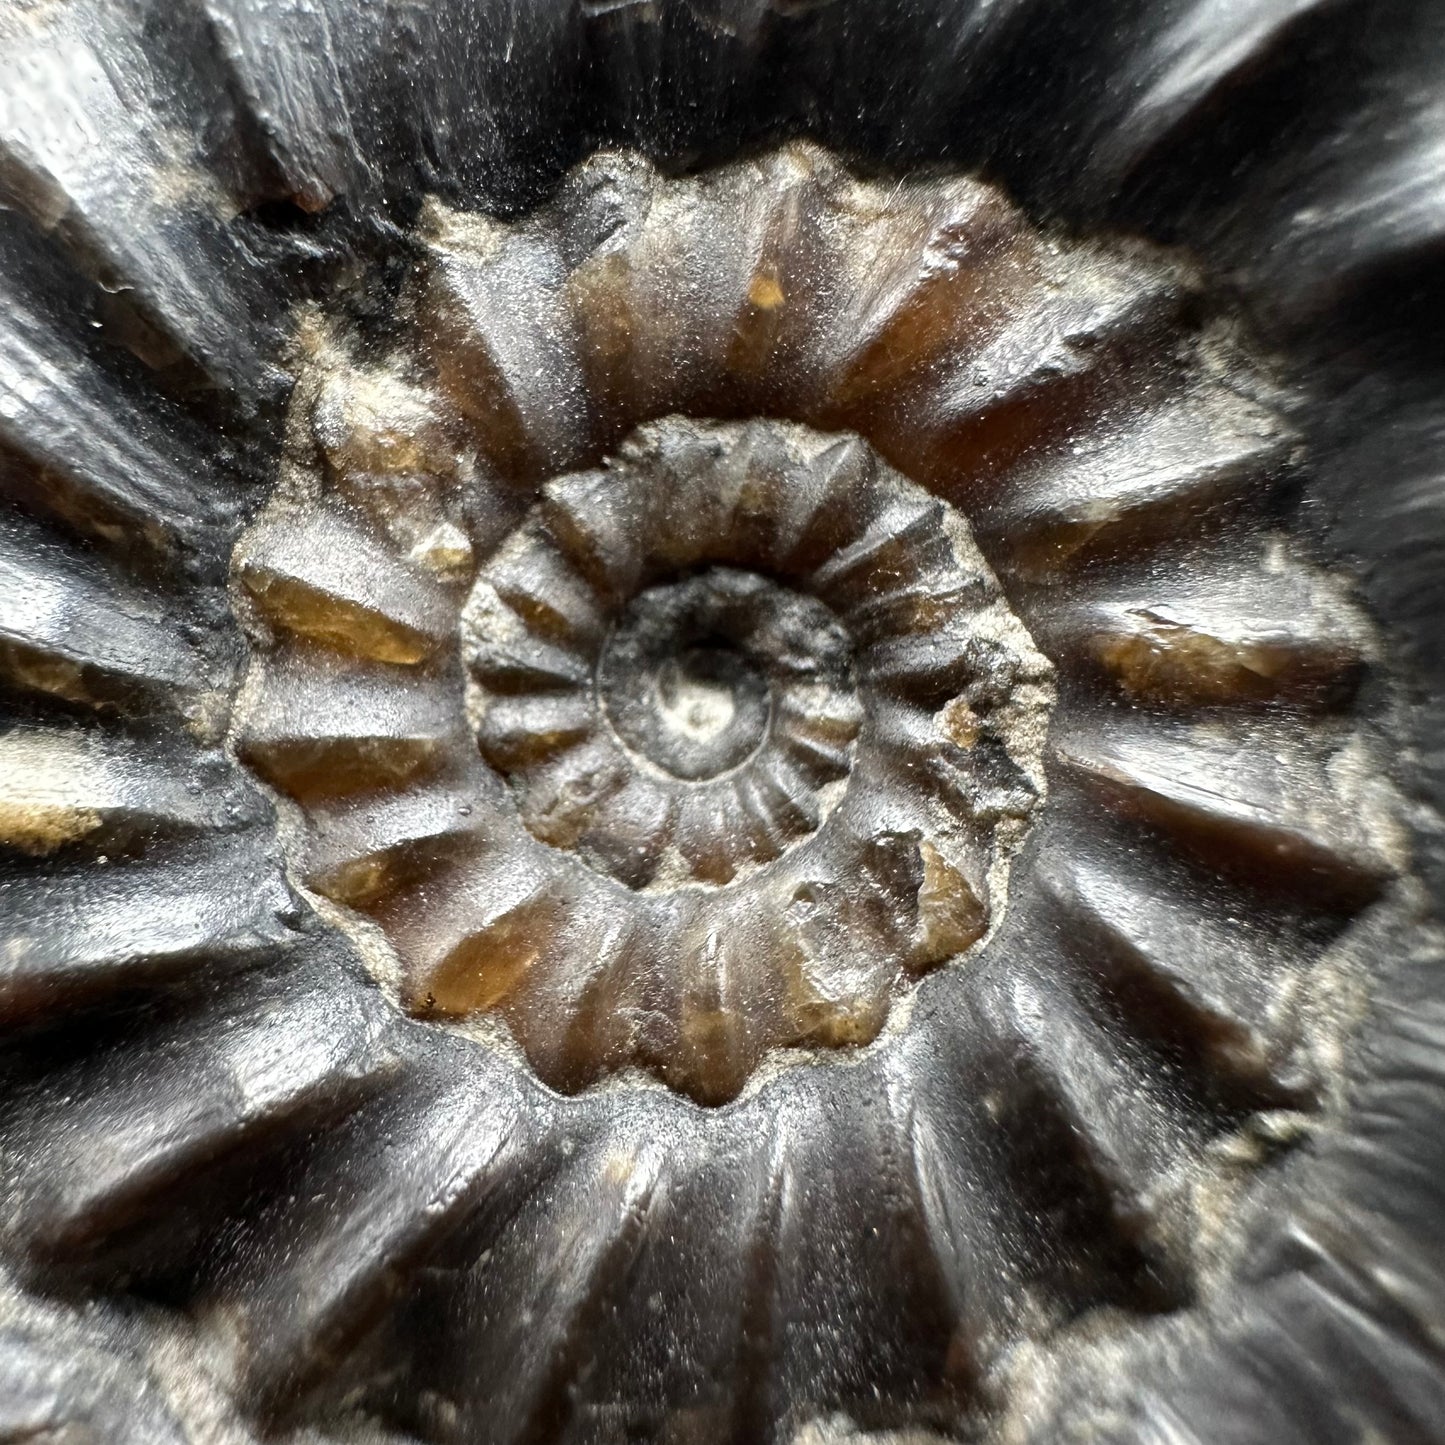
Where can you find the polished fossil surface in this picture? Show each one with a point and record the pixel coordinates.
(763, 689)
(660, 786)
(748, 671)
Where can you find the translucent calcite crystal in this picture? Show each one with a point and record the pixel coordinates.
(676, 741)
(719, 683)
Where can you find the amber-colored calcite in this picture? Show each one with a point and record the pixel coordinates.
(675, 741)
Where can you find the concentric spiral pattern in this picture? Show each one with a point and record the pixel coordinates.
(746, 672)
(728, 802)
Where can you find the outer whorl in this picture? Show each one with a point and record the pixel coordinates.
(718, 722)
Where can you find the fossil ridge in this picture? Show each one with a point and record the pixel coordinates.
(524, 590)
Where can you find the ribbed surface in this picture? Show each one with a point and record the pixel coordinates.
(1062, 1193)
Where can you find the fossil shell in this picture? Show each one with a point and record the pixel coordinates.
(660, 786)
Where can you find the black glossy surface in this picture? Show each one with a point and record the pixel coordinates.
(239, 1187)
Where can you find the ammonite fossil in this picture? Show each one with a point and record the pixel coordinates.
(720, 721)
